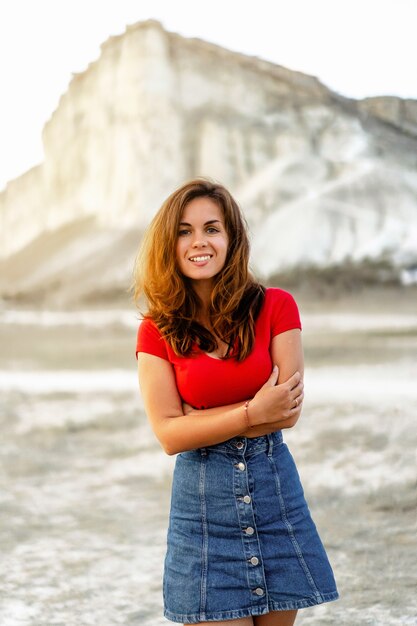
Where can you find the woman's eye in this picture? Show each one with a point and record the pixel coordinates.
(212, 229)
(183, 232)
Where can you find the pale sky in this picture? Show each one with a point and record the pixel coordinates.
(356, 47)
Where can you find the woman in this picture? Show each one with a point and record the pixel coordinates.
(220, 367)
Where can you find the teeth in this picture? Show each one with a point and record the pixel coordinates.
(200, 258)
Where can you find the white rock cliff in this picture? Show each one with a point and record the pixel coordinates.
(322, 179)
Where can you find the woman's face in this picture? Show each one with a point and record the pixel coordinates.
(202, 240)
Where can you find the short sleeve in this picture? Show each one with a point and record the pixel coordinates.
(284, 312)
(149, 340)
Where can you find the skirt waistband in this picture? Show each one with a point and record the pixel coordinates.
(245, 446)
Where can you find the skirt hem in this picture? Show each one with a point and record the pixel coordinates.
(252, 611)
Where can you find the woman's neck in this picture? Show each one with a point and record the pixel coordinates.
(203, 290)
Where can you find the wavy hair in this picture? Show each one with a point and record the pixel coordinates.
(173, 305)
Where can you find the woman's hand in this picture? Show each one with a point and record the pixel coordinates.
(277, 404)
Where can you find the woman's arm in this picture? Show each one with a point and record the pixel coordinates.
(178, 432)
(175, 431)
(287, 354)
(253, 431)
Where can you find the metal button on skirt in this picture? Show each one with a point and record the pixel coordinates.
(241, 540)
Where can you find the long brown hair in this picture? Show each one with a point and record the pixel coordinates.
(236, 297)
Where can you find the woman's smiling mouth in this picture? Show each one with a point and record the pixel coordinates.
(201, 258)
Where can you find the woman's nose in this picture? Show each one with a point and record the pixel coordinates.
(199, 241)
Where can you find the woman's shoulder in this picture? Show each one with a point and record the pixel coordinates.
(148, 325)
(276, 294)
(149, 339)
(280, 310)
(148, 330)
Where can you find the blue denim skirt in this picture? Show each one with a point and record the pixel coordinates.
(241, 540)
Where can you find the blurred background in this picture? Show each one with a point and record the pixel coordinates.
(307, 112)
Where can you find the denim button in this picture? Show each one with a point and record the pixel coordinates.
(241, 466)
(259, 591)
(239, 445)
(249, 530)
(254, 560)
(246, 499)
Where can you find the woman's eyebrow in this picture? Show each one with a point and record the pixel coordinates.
(205, 223)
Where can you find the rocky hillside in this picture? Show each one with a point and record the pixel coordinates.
(325, 181)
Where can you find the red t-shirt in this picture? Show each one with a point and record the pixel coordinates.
(204, 381)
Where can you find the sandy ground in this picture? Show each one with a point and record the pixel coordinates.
(85, 488)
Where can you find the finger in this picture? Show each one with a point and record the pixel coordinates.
(294, 380)
(295, 409)
(272, 380)
(187, 408)
(291, 412)
(297, 401)
(297, 391)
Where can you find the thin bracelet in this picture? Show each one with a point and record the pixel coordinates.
(246, 405)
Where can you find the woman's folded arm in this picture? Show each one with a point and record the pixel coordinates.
(178, 431)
